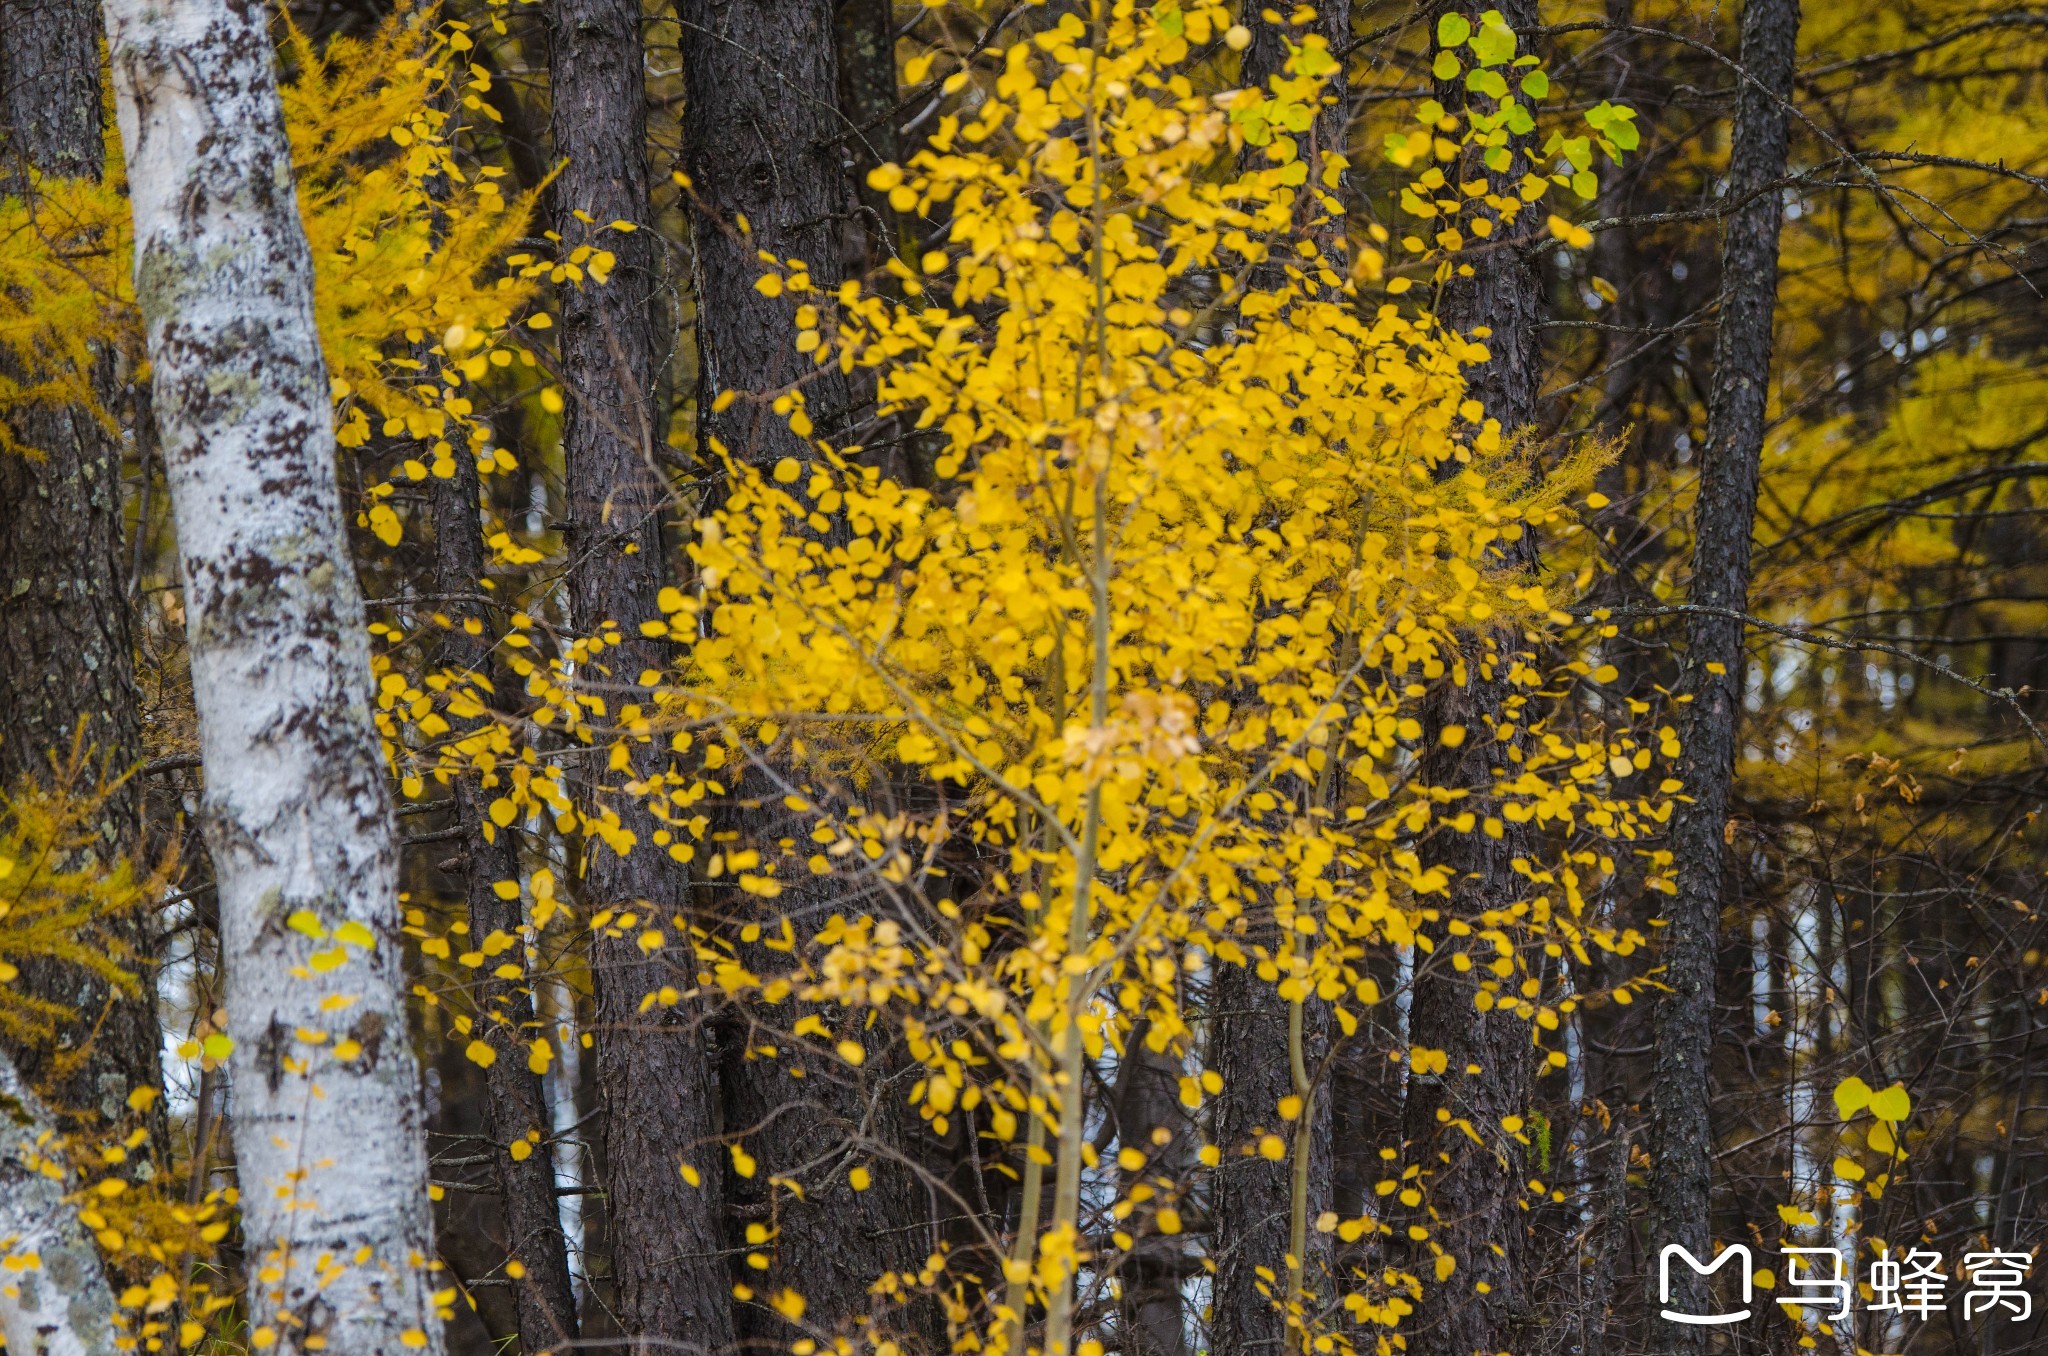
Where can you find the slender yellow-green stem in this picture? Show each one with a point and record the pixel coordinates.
(1297, 1203)
(1017, 1293)
(1059, 1318)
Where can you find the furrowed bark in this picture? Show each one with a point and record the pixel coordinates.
(62, 1306)
(655, 1081)
(1681, 1128)
(1472, 1191)
(297, 812)
(1253, 1203)
(1150, 1119)
(1253, 1195)
(763, 145)
(515, 1108)
(67, 667)
(866, 34)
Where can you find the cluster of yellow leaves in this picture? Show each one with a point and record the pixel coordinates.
(414, 289)
(409, 248)
(1207, 534)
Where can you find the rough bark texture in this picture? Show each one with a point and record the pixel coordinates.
(1149, 1117)
(762, 141)
(1680, 1130)
(1252, 1200)
(63, 1307)
(515, 1108)
(50, 87)
(67, 667)
(832, 1245)
(655, 1082)
(1252, 1194)
(1471, 1191)
(296, 810)
(867, 102)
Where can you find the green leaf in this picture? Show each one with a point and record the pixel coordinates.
(1520, 121)
(1452, 30)
(1536, 85)
(1445, 67)
(1488, 83)
(1494, 44)
(217, 1046)
(1498, 159)
(1586, 185)
(1624, 135)
(1431, 112)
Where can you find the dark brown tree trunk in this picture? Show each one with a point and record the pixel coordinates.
(1252, 1196)
(1681, 1129)
(655, 1081)
(809, 1117)
(515, 1110)
(1149, 1118)
(764, 147)
(867, 101)
(1471, 1191)
(67, 665)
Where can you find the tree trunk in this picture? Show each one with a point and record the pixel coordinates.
(1471, 1191)
(654, 1079)
(1149, 1118)
(1252, 1198)
(297, 812)
(64, 1306)
(1253, 1194)
(867, 102)
(764, 154)
(67, 666)
(1680, 1131)
(514, 1107)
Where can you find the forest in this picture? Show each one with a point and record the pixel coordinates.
(1023, 677)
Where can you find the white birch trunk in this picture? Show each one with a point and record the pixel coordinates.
(60, 1304)
(327, 1115)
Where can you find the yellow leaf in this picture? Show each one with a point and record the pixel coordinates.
(481, 1054)
(853, 1052)
(742, 1161)
(1893, 1104)
(1852, 1094)
(860, 1179)
(384, 524)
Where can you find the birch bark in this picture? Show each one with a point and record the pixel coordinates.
(62, 1306)
(328, 1126)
